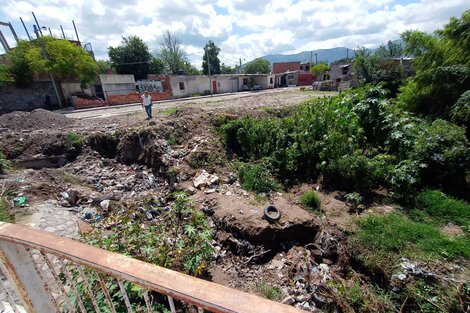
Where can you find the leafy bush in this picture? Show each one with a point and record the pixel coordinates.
(353, 199)
(443, 208)
(310, 199)
(460, 111)
(257, 177)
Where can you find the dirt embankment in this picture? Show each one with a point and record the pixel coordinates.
(35, 120)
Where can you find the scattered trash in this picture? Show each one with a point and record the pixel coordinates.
(19, 200)
(205, 179)
(104, 204)
(65, 195)
(272, 214)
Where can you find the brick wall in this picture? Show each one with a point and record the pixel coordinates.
(165, 79)
(83, 103)
(135, 97)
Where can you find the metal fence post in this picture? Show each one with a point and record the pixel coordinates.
(30, 287)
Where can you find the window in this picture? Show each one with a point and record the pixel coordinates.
(218, 84)
(270, 80)
(245, 81)
(290, 76)
(181, 85)
(345, 70)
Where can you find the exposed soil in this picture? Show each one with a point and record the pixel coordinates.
(125, 159)
(35, 120)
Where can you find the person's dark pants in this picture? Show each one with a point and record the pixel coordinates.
(148, 109)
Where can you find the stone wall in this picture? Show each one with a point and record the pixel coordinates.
(13, 98)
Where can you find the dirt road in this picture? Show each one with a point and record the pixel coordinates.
(272, 97)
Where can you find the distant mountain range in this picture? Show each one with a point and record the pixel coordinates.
(326, 55)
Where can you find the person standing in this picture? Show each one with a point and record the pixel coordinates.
(147, 104)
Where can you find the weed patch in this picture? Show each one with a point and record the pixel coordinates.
(4, 164)
(75, 140)
(269, 292)
(310, 200)
(443, 209)
(394, 234)
(169, 111)
(257, 177)
(6, 214)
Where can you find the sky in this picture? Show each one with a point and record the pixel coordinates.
(242, 29)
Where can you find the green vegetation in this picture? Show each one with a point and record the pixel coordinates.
(394, 234)
(267, 291)
(4, 163)
(354, 199)
(442, 64)
(132, 56)
(169, 111)
(257, 66)
(6, 214)
(257, 177)
(211, 54)
(310, 199)
(355, 141)
(443, 209)
(59, 57)
(75, 140)
(190, 250)
(206, 160)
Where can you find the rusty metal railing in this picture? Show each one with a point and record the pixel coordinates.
(41, 272)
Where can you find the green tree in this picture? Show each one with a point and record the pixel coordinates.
(391, 50)
(442, 65)
(103, 66)
(319, 69)
(4, 75)
(365, 64)
(132, 56)
(58, 57)
(18, 67)
(190, 69)
(211, 52)
(156, 66)
(227, 69)
(172, 54)
(258, 66)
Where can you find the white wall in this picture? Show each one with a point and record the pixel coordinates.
(116, 79)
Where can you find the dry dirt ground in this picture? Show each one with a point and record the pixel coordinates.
(126, 157)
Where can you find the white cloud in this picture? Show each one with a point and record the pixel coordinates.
(241, 28)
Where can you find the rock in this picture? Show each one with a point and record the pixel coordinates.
(104, 204)
(202, 180)
(191, 190)
(84, 228)
(205, 179)
(288, 300)
(209, 191)
(302, 298)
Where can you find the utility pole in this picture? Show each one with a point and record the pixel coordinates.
(311, 56)
(316, 57)
(209, 71)
(347, 53)
(240, 67)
